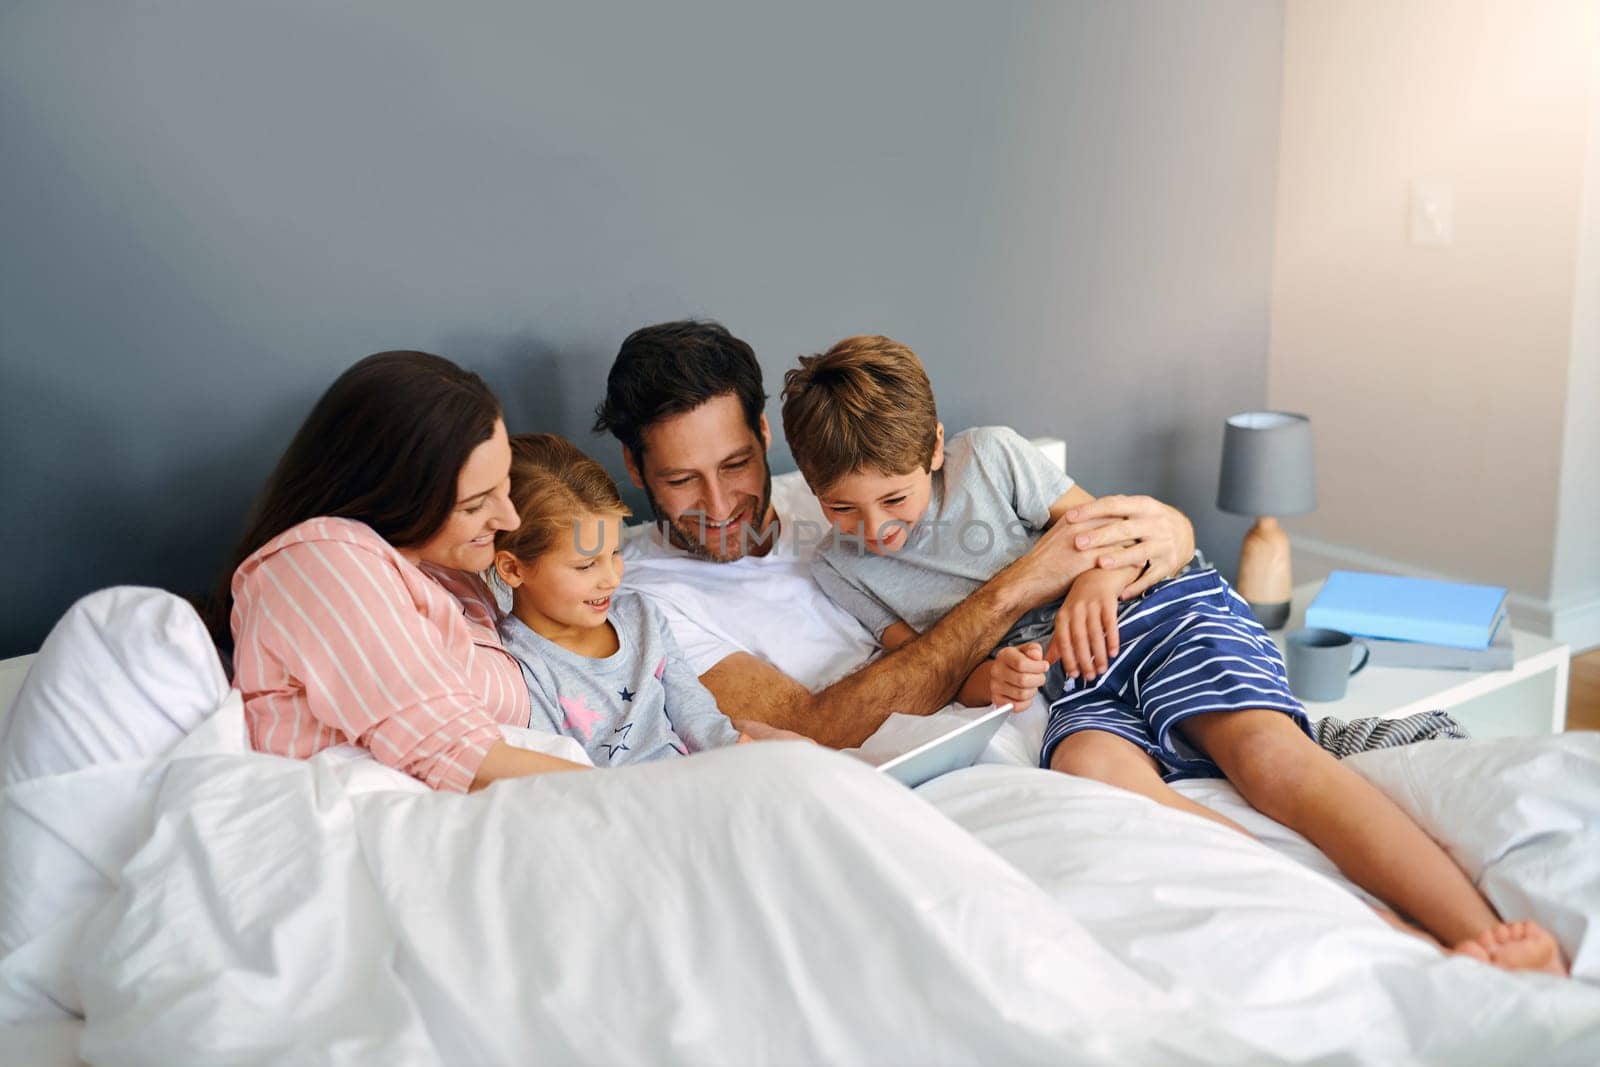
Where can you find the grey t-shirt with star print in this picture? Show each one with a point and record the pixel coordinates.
(640, 703)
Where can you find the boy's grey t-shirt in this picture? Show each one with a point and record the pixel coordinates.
(640, 703)
(990, 502)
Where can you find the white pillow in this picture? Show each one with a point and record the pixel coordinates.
(126, 673)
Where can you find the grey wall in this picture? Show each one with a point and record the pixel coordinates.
(207, 211)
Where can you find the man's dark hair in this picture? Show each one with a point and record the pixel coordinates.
(674, 367)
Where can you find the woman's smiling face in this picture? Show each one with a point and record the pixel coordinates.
(483, 506)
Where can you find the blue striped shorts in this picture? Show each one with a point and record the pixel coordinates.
(1189, 646)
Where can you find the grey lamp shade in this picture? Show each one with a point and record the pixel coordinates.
(1267, 465)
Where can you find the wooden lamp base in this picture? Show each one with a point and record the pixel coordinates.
(1264, 580)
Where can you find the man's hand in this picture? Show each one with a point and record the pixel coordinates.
(1160, 536)
(1042, 574)
(1086, 626)
(1016, 674)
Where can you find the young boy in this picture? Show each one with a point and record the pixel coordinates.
(1180, 682)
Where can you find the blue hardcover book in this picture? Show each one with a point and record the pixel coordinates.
(1409, 609)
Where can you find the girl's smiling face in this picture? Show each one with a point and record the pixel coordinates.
(568, 588)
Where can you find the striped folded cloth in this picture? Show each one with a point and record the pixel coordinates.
(1363, 735)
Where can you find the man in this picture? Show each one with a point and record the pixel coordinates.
(729, 562)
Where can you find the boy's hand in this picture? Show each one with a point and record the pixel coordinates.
(1086, 626)
(1017, 674)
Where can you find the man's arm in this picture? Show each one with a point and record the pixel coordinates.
(917, 678)
(922, 676)
(975, 691)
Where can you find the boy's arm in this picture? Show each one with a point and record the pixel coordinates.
(1085, 639)
(974, 691)
(1069, 500)
(1079, 644)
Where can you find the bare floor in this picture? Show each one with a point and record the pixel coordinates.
(1583, 692)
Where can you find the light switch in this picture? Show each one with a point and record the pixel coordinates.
(1433, 207)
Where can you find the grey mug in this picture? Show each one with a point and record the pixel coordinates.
(1322, 662)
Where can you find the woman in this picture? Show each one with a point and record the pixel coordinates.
(354, 602)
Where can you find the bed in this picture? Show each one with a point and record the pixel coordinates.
(168, 896)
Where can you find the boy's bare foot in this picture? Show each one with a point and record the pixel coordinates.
(1519, 946)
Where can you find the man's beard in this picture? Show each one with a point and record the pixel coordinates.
(689, 531)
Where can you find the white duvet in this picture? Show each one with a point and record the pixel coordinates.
(769, 904)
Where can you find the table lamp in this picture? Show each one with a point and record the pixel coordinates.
(1267, 471)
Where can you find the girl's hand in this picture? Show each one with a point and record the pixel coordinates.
(1086, 626)
(1017, 674)
(751, 730)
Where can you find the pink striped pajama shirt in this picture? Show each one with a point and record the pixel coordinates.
(338, 638)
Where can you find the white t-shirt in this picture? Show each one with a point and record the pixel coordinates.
(768, 606)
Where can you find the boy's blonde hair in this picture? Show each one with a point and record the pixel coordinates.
(864, 404)
(552, 483)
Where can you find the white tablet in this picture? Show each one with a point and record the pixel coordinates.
(947, 752)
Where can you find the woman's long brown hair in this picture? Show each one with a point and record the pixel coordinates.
(385, 446)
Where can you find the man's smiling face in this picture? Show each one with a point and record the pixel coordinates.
(706, 475)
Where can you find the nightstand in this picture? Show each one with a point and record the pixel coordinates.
(1530, 698)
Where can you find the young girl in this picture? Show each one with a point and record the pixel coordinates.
(601, 666)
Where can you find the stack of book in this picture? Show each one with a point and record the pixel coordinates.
(1418, 622)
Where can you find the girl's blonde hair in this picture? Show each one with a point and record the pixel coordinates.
(552, 483)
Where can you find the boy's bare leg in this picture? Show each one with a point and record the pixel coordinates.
(1406, 928)
(1288, 777)
(1116, 761)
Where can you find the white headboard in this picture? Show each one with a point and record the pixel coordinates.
(1054, 449)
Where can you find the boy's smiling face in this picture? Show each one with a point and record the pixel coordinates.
(881, 508)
